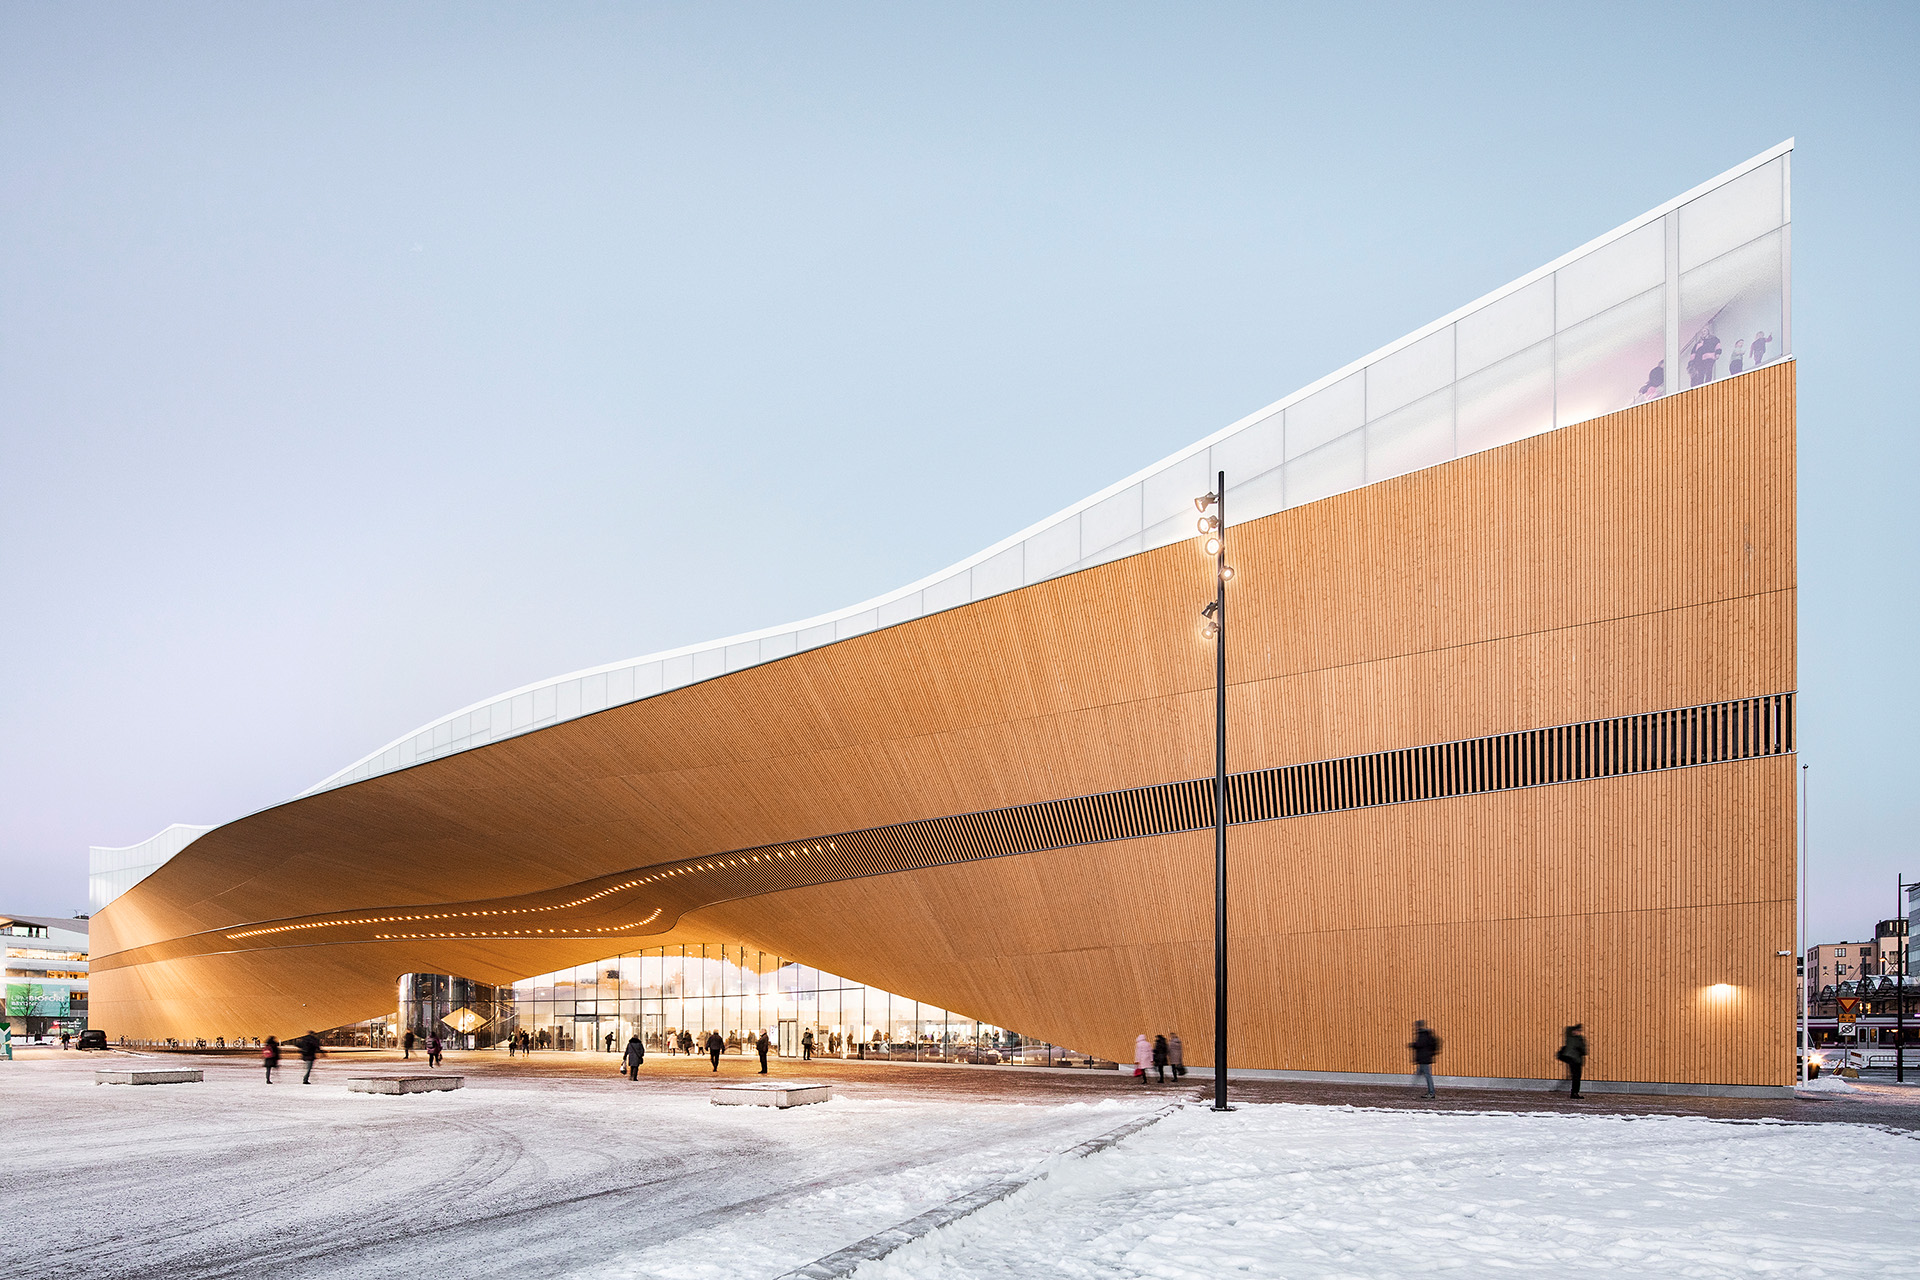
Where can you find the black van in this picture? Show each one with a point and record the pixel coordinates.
(92, 1039)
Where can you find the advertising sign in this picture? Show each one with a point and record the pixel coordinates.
(35, 1000)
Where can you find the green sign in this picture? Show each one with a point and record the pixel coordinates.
(35, 1000)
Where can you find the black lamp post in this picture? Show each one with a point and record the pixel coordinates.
(1214, 526)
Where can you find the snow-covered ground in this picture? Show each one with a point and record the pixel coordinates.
(551, 1176)
(1300, 1191)
(560, 1168)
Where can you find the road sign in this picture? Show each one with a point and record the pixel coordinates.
(1847, 1029)
(1848, 1005)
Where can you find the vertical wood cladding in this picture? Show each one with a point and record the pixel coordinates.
(1618, 568)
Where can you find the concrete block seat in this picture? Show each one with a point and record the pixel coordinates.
(405, 1084)
(770, 1095)
(148, 1075)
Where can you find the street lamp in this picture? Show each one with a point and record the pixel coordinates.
(1214, 528)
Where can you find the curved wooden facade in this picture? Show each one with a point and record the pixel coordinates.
(1638, 563)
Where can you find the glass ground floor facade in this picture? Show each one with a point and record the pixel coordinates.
(665, 994)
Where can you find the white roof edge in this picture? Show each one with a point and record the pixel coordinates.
(1347, 370)
(195, 827)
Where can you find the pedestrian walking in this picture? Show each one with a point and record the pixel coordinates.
(309, 1050)
(1161, 1055)
(1426, 1047)
(406, 1046)
(513, 1042)
(1176, 1056)
(270, 1056)
(806, 1045)
(686, 1043)
(1142, 1056)
(761, 1046)
(526, 1043)
(1573, 1052)
(715, 1047)
(609, 1042)
(635, 1055)
(433, 1049)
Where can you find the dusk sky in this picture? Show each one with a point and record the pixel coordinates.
(361, 362)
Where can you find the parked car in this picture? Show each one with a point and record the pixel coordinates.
(91, 1038)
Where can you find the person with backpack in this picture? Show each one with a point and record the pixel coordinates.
(1426, 1047)
(271, 1057)
(1573, 1052)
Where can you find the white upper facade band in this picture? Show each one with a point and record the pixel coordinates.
(1696, 290)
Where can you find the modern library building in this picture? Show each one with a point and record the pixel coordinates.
(1510, 677)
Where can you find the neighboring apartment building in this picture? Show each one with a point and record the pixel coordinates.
(46, 974)
(1833, 962)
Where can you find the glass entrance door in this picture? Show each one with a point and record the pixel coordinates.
(789, 1037)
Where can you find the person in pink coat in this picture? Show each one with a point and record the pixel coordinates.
(1142, 1056)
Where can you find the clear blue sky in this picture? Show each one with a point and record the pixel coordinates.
(357, 362)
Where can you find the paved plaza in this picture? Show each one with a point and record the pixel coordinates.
(559, 1166)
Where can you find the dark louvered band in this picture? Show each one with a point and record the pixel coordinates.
(651, 899)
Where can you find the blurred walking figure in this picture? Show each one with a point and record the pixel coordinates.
(1176, 1056)
(6, 1040)
(271, 1057)
(1426, 1047)
(686, 1043)
(761, 1046)
(1160, 1057)
(406, 1046)
(513, 1044)
(715, 1047)
(635, 1055)
(1142, 1056)
(433, 1049)
(309, 1050)
(526, 1044)
(1573, 1052)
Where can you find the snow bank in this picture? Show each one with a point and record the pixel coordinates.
(1301, 1191)
(1827, 1084)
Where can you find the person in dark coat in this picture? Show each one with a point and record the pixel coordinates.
(686, 1043)
(309, 1050)
(1160, 1057)
(1426, 1047)
(715, 1047)
(406, 1046)
(635, 1055)
(433, 1049)
(1573, 1052)
(761, 1046)
(271, 1057)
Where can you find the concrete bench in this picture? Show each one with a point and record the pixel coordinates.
(770, 1095)
(405, 1084)
(149, 1075)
